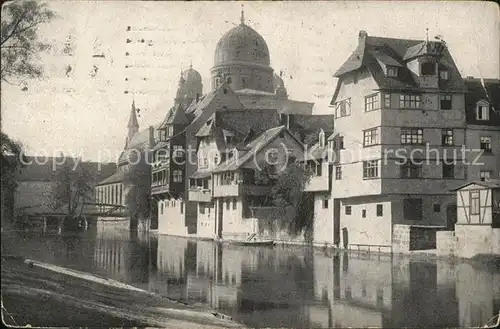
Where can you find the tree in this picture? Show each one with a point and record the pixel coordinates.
(73, 190)
(288, 197)
(137, 182)
(19, 42)
(10, 163)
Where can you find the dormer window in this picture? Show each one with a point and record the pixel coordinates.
(229, 139)
(392, 71)
(443, 75)
(428, 68)
(482, 110)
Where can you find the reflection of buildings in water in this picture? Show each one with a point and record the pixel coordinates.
(418, 298)
(361, 293)
(479, 295)
(276, 289)
(120, 256)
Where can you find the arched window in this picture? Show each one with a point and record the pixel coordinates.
(482, 110)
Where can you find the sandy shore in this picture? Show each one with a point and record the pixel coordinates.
(41, 294)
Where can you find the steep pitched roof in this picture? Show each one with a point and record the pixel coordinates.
(269, 101)
(491, 183)
(114, 178)
(476, 92)
(132, 121)
(393, 52)
(140, 141)
(241, 122)
(178, 116)
(251, 149)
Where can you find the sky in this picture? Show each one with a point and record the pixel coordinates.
(80, 107)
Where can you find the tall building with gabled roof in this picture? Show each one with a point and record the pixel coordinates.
(395, 99)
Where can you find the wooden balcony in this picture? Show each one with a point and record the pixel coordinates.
(200, 195)
(158, 189)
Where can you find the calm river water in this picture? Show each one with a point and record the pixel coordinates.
(293, 287)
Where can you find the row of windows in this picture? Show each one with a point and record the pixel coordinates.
(380, 211)
(171, 204)
(406, 101)
(162, 177)
(415, 136)
(409, 170)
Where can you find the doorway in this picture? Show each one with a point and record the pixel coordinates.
(451, 217)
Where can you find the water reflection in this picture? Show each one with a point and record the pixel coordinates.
(290, 287)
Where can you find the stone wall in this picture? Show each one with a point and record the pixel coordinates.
(446, 243)
(411, 240)
(473, 240)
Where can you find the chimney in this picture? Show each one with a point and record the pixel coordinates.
(151, 136)
(362, 38)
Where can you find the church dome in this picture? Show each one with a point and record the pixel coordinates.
(191, 76)
(241, 44)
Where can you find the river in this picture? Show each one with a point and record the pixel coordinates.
(283, 286)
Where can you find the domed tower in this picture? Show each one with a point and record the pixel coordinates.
(242, 60)
(190, 87)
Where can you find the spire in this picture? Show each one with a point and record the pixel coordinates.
(427, 35)
(133, 125)
(191, 65)
(242, 16)
(132, 121)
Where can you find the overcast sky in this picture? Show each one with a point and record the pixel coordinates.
(81, 108)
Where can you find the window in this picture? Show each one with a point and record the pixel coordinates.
(343, 108)
(411, 170)
(380, 210)
(182, 207)
(445, 102)
(370, 169)
(412, 209)
(161, 209)
(448, 170)
(485, 143)
(446, 137)
(482, 111)
(177, 152)
(348, 210)
(363, 213)
(177, 176)
(409, 101)
(339, 143)
(428, 69)
(338, 172)
(325, 204)
(370, 137)
(474, 203)
(443, 75)
(205, 162)
(437, 207)
(484, 175)
(227, 204)
(387, 100)
(371, 103)
(412, 136)
(202, 208)
(234, 204)
(392, 71)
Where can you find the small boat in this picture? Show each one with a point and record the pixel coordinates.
(254, 243)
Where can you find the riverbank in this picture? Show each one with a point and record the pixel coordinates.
(43, 295)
